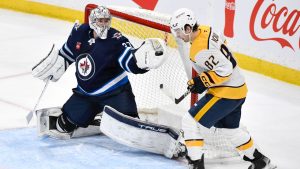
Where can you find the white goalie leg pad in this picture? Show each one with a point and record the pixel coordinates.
(139, 134)
(92, 129)
(46, 125)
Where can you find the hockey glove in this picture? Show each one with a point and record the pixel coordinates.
(195, 85)
(151, 54)
(52, 65)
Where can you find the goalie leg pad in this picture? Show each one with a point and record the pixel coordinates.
(136, 133)
(46, 125)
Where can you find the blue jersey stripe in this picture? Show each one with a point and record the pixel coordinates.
(122, 58)
(126, 63)
(63, 52)
(109, 86)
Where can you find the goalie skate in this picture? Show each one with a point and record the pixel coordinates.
(46, 125)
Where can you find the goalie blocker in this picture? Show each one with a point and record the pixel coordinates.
(143, 135)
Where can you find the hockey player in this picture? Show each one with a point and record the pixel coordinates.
(102, 56)
(220, 76)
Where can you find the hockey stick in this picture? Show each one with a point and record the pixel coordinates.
(30, 114)
(182, 96)
(170, 95)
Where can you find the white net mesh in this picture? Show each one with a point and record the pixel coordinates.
(171, 74)
(216, 146)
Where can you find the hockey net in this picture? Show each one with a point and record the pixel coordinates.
(138, 24)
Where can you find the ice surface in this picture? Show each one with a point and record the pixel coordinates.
(271, 112)
(21, 148)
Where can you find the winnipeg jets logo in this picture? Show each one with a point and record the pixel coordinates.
(85, 66)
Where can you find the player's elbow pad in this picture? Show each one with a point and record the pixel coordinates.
(52, 65)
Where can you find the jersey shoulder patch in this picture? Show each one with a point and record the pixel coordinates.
(117, 35)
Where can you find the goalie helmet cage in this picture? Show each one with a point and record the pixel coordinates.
(138, 24)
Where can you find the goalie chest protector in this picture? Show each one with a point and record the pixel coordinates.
(98, 61)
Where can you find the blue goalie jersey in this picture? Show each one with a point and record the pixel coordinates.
(101, 64)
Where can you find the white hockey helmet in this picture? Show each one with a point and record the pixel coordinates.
(96, 14)
(181, 18)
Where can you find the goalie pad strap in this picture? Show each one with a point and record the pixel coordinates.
(64, 124)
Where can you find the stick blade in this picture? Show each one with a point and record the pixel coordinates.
(29, 117)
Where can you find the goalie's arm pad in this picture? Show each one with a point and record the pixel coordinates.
(52, 65)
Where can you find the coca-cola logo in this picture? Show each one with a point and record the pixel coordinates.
(288, 25)
(230, 5)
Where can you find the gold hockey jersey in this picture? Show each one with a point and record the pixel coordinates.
(216, 65)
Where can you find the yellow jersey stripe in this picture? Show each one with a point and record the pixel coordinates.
(246, 146)
(206, 107)
(229, 92)
(194, 143)
(213, 77)
(201, 42)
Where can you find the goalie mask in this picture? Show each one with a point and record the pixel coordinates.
(100, 21)
(180, 19)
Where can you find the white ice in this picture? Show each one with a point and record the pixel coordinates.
(271, 112)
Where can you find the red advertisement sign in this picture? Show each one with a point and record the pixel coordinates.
(284, 21)
(148, 4)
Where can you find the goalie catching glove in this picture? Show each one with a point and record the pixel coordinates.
(151, 54)
(52, 65)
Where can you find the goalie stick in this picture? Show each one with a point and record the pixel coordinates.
(30, 114)
(170, 95)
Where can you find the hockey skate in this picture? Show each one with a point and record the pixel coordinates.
(260, 161)
(46, 125)
(197, 164)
